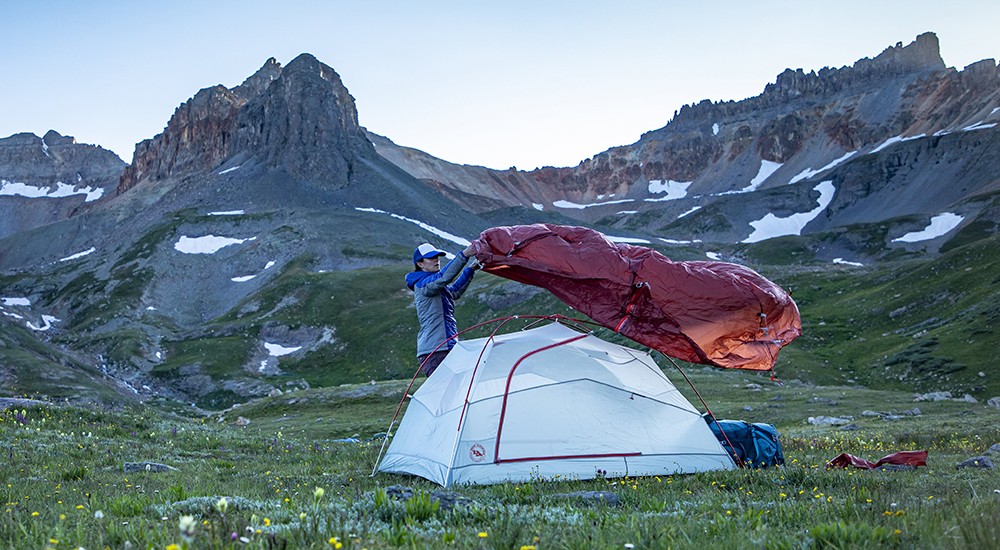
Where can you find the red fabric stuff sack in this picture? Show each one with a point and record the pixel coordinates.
(902, 458)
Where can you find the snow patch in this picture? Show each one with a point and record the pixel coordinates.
(276, 350)
(246, 278)
(628, 212)
(14, 188)
(808, 172)
(573, 205)
(691, 211)
(714, 256)
(715, 129)
(228, 170)
(209, 244)
(674, 241)
(979, 126)
(893, 140)
(673, 189)
(940, 225)
(78, 255)
(539, 207)
(886, 143)
(628, 240)
(845, 262)
(227, 213)
(443, 234)
(771, 226)
(767, 168)
(16, 302)
(47, 321)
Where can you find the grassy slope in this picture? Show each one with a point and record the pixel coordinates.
(917, 325)
(924, 326)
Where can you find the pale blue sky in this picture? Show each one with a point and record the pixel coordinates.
(524, 83)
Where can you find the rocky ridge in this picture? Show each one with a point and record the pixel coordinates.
(807, 126)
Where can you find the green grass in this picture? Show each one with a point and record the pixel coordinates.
(65, 487)
(928, 326)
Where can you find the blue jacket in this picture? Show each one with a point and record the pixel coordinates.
(434, 296)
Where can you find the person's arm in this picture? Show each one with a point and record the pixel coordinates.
(434, 283)
(461, 283)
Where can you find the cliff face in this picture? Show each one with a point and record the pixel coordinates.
(300, 117)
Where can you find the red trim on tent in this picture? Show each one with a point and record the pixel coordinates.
(563, 457)
(506, 392)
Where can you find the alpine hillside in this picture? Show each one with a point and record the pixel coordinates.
(260, 241)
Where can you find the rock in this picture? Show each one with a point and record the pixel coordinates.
(448, 501)
(828, 421)
(274, 393)
(995, 449)
(445, 499)
(871, 413)
(968, 399)
(399, 492)
(747, 408)
(752, 387)
(897, 312)
(994, 402)
(893, 417)
(933, 396)
(850, 428)
(912, 412)
(131, 467)
(242, 421)
(980, 462)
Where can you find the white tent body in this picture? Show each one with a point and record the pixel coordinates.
(545, 403)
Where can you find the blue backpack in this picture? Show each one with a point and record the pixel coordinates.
(754, 445)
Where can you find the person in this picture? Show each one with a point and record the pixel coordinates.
(434, 293)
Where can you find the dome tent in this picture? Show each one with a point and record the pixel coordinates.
(547, 402)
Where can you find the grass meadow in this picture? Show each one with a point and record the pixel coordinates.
(275, 473)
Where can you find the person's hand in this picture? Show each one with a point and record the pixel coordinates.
(469, 251)
(474, 264)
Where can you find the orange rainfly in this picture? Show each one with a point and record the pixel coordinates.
(713, 313)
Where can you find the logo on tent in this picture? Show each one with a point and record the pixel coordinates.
(477, 453)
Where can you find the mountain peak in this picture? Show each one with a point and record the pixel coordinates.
(300, 118)
(255, 84)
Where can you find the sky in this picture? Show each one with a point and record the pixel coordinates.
(497, 84)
